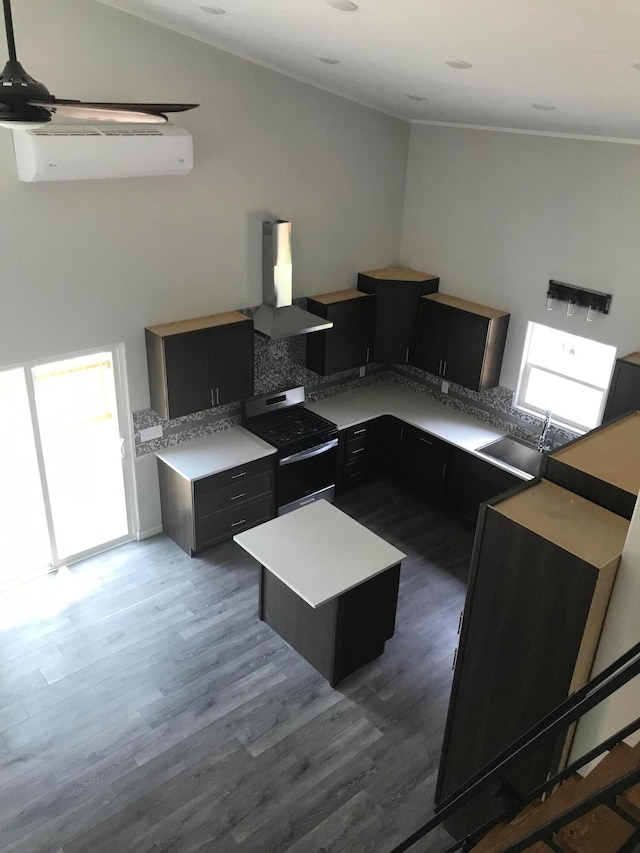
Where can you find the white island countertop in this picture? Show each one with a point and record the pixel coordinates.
(319, 551)
(217, 452)
(389, 398)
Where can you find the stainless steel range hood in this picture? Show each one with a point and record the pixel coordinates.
(278, 317)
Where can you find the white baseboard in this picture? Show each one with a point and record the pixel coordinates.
(152, 531)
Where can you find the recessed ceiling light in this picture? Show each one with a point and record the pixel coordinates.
(543, 106)
(342, 5)
(458, 63)
(636, 64)
(328, 60)
(213, 10)
(417, 98)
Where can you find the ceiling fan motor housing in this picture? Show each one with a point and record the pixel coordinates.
(17, 88)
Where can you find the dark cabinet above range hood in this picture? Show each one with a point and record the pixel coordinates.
(277, 317)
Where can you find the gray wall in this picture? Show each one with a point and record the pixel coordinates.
(93, 262)
(497, 215)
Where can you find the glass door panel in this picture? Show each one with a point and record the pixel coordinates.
(82, 448)
(24, 536)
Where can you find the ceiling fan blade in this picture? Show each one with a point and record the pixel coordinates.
(156, 109)
(93, 112)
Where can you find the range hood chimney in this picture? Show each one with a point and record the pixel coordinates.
(277, 317)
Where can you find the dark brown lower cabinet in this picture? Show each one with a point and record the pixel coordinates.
(542, 569)
(473, 481)
(360, 453)
(198, 514)
(425, 465)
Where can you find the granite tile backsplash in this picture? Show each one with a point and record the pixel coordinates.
(281, 364)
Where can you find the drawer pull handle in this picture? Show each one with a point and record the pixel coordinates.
(241, 474)
(360, 450)
(236, 523)
(455, 658)
(460, 621)
(426, 441)
(360, 431)
(237, 497)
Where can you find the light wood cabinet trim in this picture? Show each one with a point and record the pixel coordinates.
(465, 305)
(593, 625)
(339, 296)
(179, 327)
(399, 274)
(632, 358)
(578, 526)
(612, 454)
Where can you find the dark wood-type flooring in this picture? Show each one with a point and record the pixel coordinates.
(144, 707)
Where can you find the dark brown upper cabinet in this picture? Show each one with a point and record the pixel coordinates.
(460, 341)
(199, 363)
(346, 345)
(624, 391)
(397, 292)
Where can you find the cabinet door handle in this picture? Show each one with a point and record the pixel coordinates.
(241, 474)
(406, 355)
(444, 470)
(217, 396)
(236, 523)
(213, 402)
(359, 450)
(440, 368)
(444, 368)
(360, 431)
(455, 658)
(367, 355)
(426, 441)
(237, 497)
(460, 621)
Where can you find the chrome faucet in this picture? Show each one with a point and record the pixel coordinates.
(543, 445)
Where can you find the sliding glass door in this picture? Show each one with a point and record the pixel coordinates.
(63, 462)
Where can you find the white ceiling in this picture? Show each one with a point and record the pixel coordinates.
(576, 55)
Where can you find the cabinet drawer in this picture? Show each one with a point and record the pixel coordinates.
(354, 472)
(359, 431)
(355, 449)
(222, 525)
(239, 492)
(232, 476)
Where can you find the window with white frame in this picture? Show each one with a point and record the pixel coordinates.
(566, 375)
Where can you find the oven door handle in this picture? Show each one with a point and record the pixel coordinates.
(307, 454)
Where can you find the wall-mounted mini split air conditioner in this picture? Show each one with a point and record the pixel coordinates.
(75, 152)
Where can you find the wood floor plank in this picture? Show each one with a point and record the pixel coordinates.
(36, 774)
(172, 719)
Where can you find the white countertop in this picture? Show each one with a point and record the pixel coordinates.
(319, 551)
(418, 410)
(217, 452)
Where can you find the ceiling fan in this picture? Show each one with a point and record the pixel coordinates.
(25, 103)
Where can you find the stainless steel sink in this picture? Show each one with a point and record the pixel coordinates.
(515, 452)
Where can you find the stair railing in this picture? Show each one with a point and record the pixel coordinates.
(599, 688)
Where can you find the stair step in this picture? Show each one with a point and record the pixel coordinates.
(621, 759)
(600, 830)
(630, 801)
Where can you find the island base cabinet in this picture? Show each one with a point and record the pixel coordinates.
(340, 636)
(542, 571)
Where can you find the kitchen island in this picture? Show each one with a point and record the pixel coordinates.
(328, 586)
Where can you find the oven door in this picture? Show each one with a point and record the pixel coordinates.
(307, 476)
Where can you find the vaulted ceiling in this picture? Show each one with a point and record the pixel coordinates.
(562, 66)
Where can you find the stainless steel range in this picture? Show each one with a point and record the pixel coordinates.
(306, 443)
